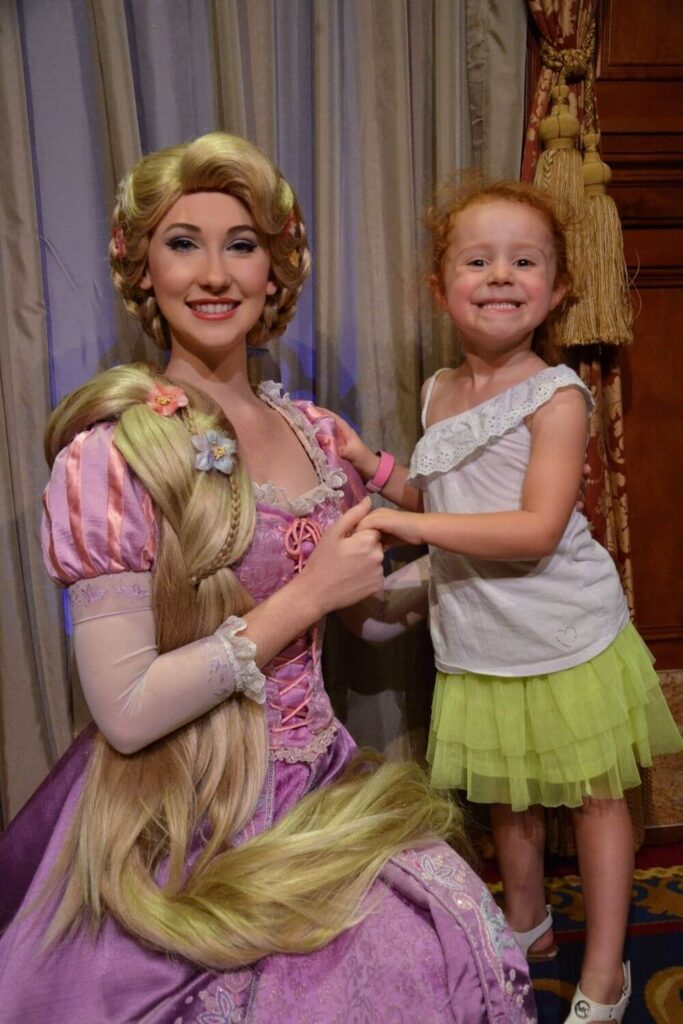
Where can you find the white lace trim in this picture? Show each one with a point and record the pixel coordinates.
(331, 480)
(449, 442)
(310, 753)
(240, 652)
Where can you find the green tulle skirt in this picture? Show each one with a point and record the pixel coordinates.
(552, 739)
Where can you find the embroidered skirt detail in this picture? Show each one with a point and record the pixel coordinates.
(552, 739)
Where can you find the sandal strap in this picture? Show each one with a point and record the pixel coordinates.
(526, 939)
(583, 1008)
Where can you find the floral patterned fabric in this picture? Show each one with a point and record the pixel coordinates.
(563, 24)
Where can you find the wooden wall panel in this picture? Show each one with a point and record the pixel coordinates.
(640, 102)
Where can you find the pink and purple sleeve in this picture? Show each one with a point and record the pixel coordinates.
(326, 435)
(97, 517)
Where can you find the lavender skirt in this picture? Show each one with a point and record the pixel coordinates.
(435, 948)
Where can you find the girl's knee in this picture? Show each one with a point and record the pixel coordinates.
(599, 807)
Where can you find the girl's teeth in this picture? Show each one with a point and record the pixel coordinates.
(500, 305)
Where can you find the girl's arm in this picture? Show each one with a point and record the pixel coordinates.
(558, 441)
(403, 602)
(352, 448)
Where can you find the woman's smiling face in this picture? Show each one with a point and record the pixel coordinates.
(210, 273)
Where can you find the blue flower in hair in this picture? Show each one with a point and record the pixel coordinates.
(215, 451)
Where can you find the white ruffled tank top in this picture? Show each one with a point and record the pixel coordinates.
(502, 617)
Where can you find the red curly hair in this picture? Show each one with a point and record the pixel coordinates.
(457, 196)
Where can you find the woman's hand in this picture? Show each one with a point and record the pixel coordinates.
(346, 565)
(353, 448)
(395, 527)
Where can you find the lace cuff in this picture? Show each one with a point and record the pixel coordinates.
(240, 652)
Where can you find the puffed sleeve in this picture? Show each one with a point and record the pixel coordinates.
(97, 517)
(327, 437)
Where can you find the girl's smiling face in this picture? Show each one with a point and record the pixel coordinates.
(499, 275)
(210, 273)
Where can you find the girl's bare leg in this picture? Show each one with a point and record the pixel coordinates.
(519, 837)
(604, 842)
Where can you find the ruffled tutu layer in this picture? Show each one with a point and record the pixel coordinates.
(552, 739)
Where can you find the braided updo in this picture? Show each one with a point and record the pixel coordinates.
(217, 162)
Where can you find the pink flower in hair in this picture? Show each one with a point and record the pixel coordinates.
(290, 224)
(166, 399)
(119, 243)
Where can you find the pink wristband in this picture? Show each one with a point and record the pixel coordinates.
(382, 473)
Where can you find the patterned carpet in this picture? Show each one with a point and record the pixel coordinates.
(654, 946)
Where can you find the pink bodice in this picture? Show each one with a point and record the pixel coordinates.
(99, 520)
(300, 716)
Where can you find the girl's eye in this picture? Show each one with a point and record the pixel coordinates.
(478, 262)
(524, 262)
(181, 244)
(243, 245)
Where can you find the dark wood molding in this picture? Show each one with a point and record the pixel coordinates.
(616, 25)
(662, 835)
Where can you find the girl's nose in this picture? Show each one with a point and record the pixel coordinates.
(500, 272)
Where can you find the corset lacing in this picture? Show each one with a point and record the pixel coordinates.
(300, 531)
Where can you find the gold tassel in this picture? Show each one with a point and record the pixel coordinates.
(559, 171)
(605, 290)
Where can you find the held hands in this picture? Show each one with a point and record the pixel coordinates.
(346, 565)
(395, 526)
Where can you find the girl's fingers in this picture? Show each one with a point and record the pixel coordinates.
(348, 522)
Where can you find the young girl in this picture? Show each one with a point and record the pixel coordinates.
(545, 694)
(213, 851)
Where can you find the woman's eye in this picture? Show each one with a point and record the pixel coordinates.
(180, 244)
(243, 245)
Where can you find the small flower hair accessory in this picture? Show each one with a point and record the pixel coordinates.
(119, 243)
(215, 451)
(166, 399)
(290, 230)
(290, 224)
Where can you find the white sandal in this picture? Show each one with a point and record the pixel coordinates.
(526, 939)
(585, 1009)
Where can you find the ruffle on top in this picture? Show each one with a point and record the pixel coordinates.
(450, 442)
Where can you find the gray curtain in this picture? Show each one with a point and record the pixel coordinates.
(365, 104)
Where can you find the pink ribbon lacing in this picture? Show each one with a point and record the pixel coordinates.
(300, 531)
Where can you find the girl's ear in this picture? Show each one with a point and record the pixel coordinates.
(559, 293)
(438, 294)
(271, 288)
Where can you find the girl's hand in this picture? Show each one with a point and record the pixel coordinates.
(352, 447)
(346, 566)
(401, 527)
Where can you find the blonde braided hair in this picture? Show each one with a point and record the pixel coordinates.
(217, 162)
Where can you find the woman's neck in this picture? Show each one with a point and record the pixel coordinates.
(224, 379)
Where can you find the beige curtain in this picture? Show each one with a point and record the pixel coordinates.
(34, 701)
(366, 104)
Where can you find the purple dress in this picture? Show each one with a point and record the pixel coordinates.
(434, 948)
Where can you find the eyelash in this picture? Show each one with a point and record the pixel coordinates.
(240, 246)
